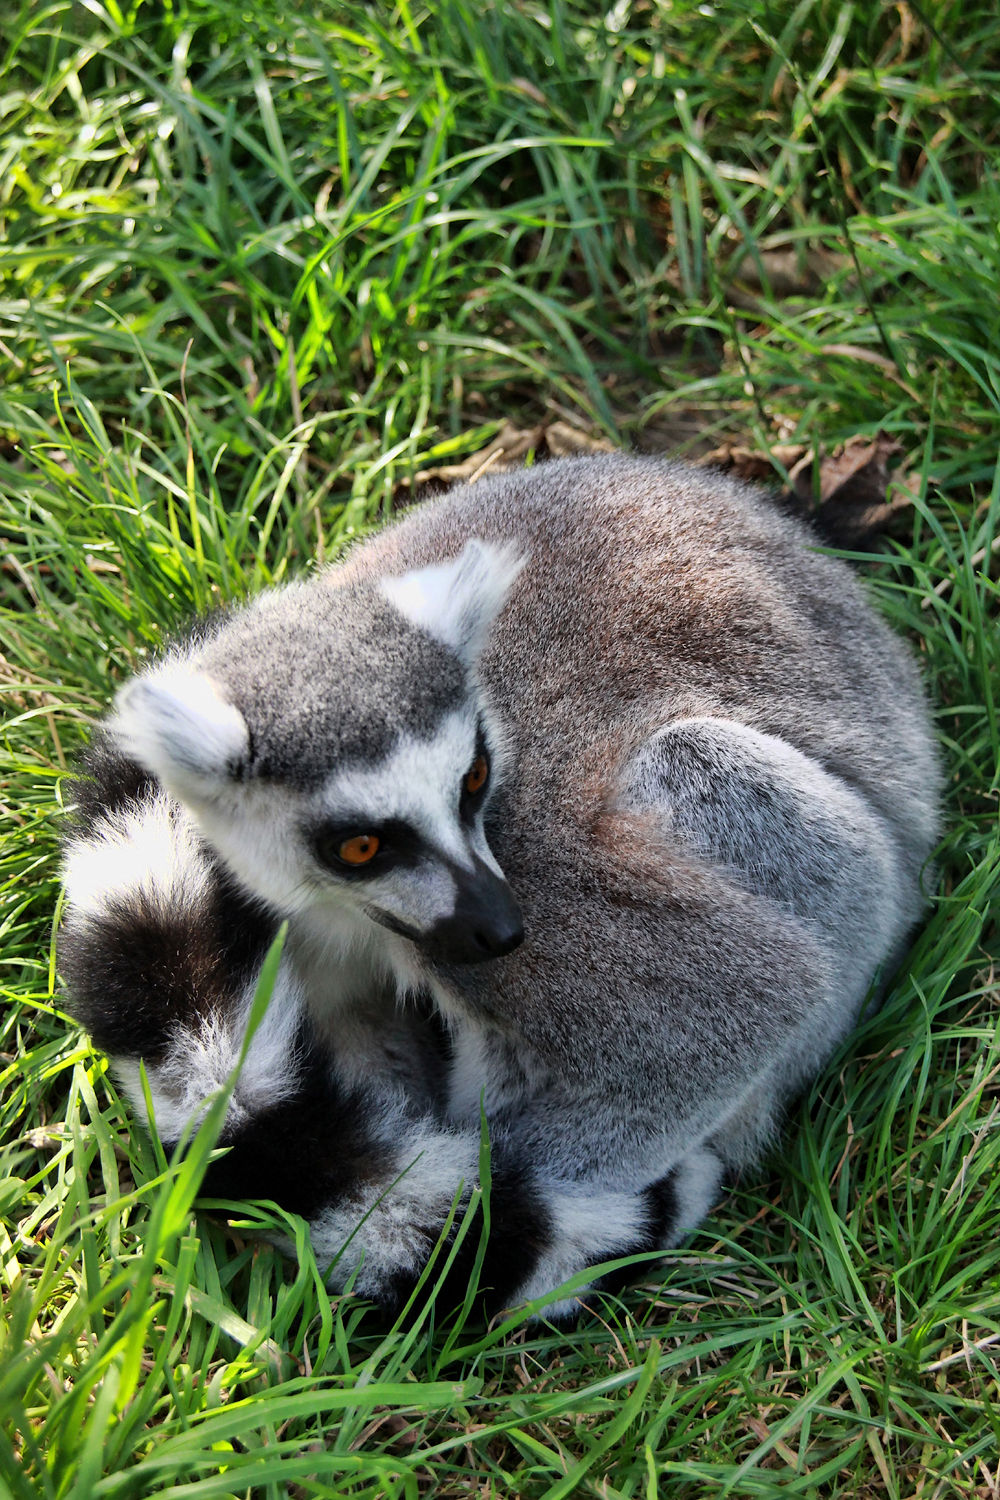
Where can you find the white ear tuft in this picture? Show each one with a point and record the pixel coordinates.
(179, 727)
(457, 601)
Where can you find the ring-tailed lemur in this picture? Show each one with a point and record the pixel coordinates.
(599, 756)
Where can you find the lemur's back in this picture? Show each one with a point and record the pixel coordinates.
(722, 796)
(654, 593)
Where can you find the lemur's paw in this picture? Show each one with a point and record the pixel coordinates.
(382, 1230)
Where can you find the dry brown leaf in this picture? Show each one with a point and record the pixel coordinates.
(854, 481)
(511, 446)
(788, 273)
(760, 1429)
(525, 86)
(749, 464)
(564, 441)
(507, 450)
(399, 1427)
(854, 473)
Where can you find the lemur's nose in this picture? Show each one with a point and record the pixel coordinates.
(486, 922)
(500, 938)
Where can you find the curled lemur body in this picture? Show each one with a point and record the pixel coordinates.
(617, 707)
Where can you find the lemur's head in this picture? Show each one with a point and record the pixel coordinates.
(334, 744)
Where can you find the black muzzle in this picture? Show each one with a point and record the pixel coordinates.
(486, 922)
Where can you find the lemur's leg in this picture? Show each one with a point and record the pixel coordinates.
(782, 826)
(381, 1227)
(776, 819)
(641, 1197)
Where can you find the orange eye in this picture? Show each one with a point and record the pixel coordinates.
(476, 779)
(359, 850)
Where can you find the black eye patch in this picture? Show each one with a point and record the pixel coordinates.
(399, 845)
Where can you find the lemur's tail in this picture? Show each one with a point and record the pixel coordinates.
(159, 947)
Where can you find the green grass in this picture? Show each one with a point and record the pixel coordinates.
(258, 267)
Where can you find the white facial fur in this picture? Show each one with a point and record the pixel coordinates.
(264, 832)
(420, 784)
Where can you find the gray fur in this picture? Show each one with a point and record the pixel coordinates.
(716, 791)
(303, 709)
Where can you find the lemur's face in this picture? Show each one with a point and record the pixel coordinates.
(404, 840)
(337, 752)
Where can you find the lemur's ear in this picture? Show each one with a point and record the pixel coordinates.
(178, 725)
(457, 601)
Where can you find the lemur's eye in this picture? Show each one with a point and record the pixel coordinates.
(477, 777)
(359, 850)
